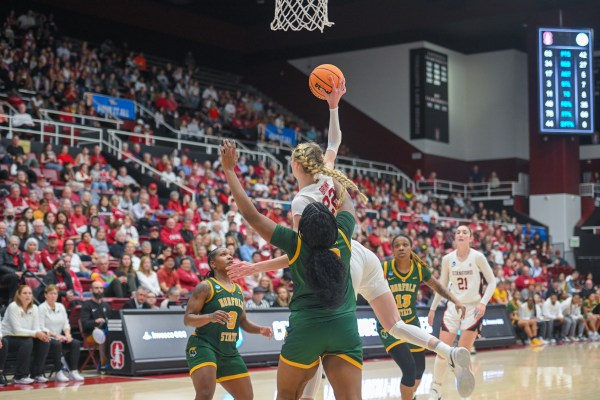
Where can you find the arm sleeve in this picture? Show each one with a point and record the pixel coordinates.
(286, 239)
(444, 275)
(488, 274)
(334, 136)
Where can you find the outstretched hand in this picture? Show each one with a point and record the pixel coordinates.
(333, 98)
(266, 331)
(240, 269)
(229, 154)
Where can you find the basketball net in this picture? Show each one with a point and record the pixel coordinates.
(300, 14)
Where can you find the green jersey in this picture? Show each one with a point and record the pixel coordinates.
(305, 306)
(222, 338)
(404, 287)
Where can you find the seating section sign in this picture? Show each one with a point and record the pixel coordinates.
(111, 106)
(281, 135)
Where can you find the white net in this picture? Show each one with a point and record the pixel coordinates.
(300, 14)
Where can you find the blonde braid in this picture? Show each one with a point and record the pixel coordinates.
(313, 164)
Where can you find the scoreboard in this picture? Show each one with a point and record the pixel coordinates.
(429, 95)
(566, 84)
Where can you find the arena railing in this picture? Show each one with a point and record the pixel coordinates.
(589, 190)
(477, 191)
(57, 130)
(206, 147)
(111, 120)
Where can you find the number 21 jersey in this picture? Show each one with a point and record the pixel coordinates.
(465, 276)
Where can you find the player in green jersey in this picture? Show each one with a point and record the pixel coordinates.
(216, 309)
(322, 320)
(404, 274)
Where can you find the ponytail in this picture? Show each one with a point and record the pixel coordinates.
(324, 271)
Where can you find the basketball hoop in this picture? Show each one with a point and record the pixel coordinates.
(300, 14)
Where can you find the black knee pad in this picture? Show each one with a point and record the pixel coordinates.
(403, 357)
(419, 358)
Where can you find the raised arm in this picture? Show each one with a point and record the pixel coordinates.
(334, 135)
(261, 224)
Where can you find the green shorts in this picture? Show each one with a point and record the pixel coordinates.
(199, 355)
(389, 341)
(305, 342)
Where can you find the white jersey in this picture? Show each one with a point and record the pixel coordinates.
(465, 278)
(322, 191)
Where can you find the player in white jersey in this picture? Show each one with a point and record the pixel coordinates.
(314, 172)
(462, 269)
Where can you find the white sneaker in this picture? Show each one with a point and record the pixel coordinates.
(553, 341)
(24, 381)
(435, 393)
(76, 376)
(460, 361)
(61, 377)
(40, 379)
(573, 339)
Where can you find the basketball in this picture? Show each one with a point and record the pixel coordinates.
(319, 78)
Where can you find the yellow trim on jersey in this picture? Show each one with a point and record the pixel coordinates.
(345, 239)
(419, 266)
(385, 266)
(391, 346)
(398, 274)
(212, 290)
(347, 358)
(420, 349)
(297, 253)
(408, 321)
(298, 365)
(223, 286)
(230, 377)
(206, 364)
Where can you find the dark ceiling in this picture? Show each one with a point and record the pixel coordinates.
(468, 26)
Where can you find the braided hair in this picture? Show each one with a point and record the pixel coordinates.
(324, 270)
(211, 258)
(310, 156)
(413, 255)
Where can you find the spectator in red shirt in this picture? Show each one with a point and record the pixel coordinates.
(187, 278)
(64, 157)
(32, 258)
(85, 248)
(153, 201)
(15, 201)
(525, 279)
(167, 277)
(170, 235)
(79, 221)
(97, 157)
(51, 252)
(276, 214)
(174, 204)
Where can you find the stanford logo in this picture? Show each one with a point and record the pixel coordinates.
(117, 355)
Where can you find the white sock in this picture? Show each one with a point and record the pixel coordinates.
(443, 349)
(440, 367)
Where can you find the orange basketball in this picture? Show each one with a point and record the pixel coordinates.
(319, 78)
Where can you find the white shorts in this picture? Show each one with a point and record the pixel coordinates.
(452, 323)
(367, 274)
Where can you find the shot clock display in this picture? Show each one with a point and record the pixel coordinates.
(565, 80)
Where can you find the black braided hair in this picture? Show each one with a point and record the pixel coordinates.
(325, 273)
(211, 258)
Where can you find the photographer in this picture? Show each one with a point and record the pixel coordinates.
(95, 314)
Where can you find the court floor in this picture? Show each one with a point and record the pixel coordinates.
(566, 372)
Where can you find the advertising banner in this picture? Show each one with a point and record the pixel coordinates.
(281, 135)
(106, 105)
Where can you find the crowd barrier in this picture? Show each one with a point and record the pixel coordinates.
(145, 342)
